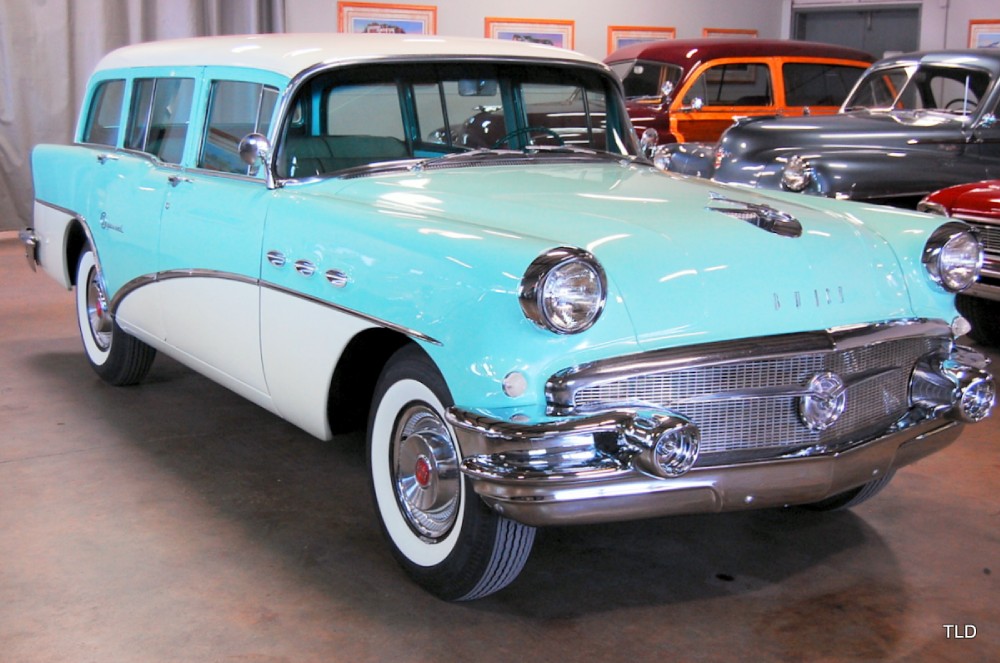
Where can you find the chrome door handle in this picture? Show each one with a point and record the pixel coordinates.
(104, 157)
(177, 179)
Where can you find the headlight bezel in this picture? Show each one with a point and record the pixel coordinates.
(536, 297)
(947, 241)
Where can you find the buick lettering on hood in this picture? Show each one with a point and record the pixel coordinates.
(459, 246)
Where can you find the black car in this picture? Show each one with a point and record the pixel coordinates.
(913, 124)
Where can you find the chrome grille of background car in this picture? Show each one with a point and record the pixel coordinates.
(746, 428)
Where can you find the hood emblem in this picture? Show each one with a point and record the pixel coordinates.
(763, 216)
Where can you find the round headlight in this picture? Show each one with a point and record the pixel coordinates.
(796, 174)
(563, 290)
(953, 257)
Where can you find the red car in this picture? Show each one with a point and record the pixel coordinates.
(978, 204)
(691, 89)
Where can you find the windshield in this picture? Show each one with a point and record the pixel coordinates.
(949, 89)
(373, 114)
(646, 79)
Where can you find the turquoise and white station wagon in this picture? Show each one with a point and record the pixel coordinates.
(458, 244)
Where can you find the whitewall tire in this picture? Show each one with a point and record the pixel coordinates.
(116, 357)
(440, 532)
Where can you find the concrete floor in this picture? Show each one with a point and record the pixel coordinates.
(176, 522)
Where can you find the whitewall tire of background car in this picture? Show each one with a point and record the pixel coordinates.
(116, 357)
(440, 532)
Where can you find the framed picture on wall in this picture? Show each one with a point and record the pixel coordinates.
(553, 32)
(626, 35)
(730, 33)
(984, 33)
(378, 17)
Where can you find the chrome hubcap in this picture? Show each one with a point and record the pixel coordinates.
(425, 472)
(97, 311)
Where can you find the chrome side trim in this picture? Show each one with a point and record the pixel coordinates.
(149, 279)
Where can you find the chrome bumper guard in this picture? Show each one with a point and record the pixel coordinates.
(630, 464)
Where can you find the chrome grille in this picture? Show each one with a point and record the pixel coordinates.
(756, 427)
(989, 236)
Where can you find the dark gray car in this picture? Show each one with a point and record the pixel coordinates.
(913, 124)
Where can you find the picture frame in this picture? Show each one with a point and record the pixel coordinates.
(379, 17)
(728, 32)
(552, 32)
(984, 33)
(626, 35)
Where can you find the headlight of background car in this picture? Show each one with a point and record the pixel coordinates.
(796, 175)
(563, 290)
(953, 256)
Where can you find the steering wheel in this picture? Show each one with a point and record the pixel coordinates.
(527, 131)
(962, 105)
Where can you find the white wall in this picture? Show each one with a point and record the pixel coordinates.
(943, 23)
(466, 17)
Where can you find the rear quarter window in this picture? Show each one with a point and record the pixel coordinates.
(817, 84)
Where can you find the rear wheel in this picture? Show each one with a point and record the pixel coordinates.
(983, 315)
(440, 532)
(116, 357)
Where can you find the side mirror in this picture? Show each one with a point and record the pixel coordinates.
(696, 105)
(667, 90)
(255, 150)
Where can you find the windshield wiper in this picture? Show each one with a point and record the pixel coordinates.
(575, 149)
(471, 155)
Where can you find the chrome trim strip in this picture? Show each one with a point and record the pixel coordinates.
(149, 279)
(561, 388)
(983, 290)
(70, 270)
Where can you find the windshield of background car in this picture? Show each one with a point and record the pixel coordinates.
(927, 87)
(646, 79)
(374, 114)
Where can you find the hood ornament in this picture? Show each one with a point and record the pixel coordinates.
(763, 216)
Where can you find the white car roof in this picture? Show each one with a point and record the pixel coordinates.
(290, 54)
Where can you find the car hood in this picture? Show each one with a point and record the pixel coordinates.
(861, 128)
(977, 199)
(684, 271)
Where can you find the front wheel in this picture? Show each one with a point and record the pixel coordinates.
(445, 538)
(118, 358)
(854, 496)
(983, 315)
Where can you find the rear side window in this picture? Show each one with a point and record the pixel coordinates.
(104, 116)
(818, 84)
(160, 116)
(237, 108)
(732, 84)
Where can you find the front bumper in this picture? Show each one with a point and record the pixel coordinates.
(628, 464)
(597, 494)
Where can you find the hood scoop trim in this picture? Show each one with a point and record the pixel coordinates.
(762, 216)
